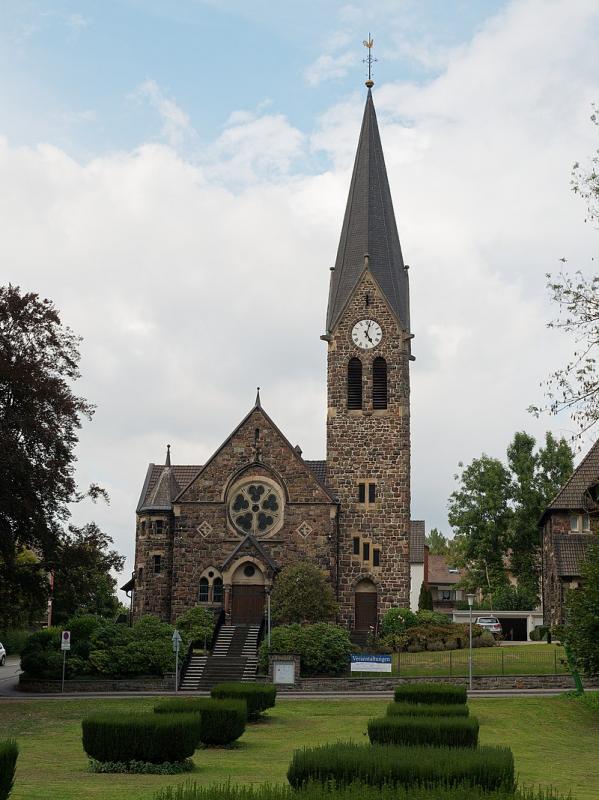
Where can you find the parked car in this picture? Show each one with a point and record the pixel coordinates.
(490, 624)
(2, 655)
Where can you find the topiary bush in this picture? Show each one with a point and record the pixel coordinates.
(153, 738)
(258, 696)
(427, 709)
(223, 721)
(324, 648)
(378, 765)
(443, 693)
(428, 730)
(9, 752)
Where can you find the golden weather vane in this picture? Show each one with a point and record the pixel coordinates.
(369, 43)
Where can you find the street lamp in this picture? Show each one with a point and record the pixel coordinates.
(470, 604)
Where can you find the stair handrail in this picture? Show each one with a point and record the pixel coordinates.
(219, 623)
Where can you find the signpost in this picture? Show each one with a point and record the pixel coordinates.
(65, 644)
(176, 647)
(367, 662)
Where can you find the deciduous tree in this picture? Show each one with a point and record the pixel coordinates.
(302, 594)
(582, 627)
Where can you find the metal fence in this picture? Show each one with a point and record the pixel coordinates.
(514, 660)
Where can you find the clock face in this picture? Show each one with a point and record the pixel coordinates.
(366, 334)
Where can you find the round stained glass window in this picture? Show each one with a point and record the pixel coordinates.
(255, 508)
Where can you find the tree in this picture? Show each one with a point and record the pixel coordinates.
(82, 574)
(23, 598)
(40, 417)
(425, 598)
(575, 387)
(582, 605)
(302, 594)
(196, 625)
(437, 543)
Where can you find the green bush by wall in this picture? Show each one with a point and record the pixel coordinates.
(324, 648)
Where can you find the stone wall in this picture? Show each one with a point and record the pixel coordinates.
(371, 444)
(153, 536)
(166, 684)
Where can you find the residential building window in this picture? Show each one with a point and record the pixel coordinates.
(445, 594)
(217, 590)
(586, 523)
(354, 384)
(203, 593)
(366, 551)
(376, 557)
(574, 522)
(157, 565)
(356, 545)
(379, 384)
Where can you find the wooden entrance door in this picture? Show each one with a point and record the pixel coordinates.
(247, 605)
(366, 611)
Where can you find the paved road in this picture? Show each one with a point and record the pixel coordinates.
(9, 675)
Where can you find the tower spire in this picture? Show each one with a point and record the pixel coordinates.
(369, 227)
(258, 403)
(369, 43)
(167, 463)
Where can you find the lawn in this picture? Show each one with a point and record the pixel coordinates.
(554, 742)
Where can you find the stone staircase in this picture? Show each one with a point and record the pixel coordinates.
(234, 658)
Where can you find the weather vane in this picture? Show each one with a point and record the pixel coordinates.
(369, 60)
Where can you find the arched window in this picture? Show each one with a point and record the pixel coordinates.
(379, 383)
(217, 590)
(203, 593)
(354, 384)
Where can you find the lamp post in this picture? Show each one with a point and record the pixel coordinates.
(268, 617)
(470, 604)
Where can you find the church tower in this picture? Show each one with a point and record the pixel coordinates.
(368, 415)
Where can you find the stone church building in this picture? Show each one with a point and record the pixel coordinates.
(217, 534)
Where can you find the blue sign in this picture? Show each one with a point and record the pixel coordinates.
(368, 662)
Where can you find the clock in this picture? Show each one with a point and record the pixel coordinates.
(366, 334)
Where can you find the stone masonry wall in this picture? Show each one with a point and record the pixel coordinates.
(152, 593)
(371, 444)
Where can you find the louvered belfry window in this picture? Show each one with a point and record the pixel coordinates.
(379, 383)
(354, 384)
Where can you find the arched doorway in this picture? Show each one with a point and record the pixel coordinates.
(248, 594)
(366, 615)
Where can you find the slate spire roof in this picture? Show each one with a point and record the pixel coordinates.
(369, 228)
(166, 487)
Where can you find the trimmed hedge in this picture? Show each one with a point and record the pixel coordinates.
(355, 791)
(154, 738)
(440, 731)
(426, 710)
(258, 696)
(377, 765)
(443, 693)
(9, 752)
(223, 721)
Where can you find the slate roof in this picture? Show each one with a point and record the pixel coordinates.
(570, 549)
(417, 541)
(438, 571)
(369, 227)
(571, 496)
(153, 494)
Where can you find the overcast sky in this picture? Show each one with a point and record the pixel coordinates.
(175, 182)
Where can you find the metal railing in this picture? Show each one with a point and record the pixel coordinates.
(496, 661)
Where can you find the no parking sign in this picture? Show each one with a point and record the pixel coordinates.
(65, 640)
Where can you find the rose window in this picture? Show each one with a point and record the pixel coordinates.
(255, 508)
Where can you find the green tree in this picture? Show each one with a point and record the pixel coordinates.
(582, 605)
(437, 543)
(23, 599)
(82, 572)
(425, 598)
(302, 594)
(196, 625)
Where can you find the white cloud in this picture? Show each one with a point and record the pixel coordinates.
(193, 280)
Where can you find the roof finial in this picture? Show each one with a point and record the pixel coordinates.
(258, 404)
(369, 59)
(167, 463)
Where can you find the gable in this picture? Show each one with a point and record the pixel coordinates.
(355, 306)
(258, 447)
(572, 494)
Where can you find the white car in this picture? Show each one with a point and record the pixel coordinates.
(490, 624)
(2, 655)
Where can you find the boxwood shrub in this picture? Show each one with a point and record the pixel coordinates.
(355, 791)
(442, 731)
(426, 710)
(444, 693)
(258, 696)
(223, 721)
(154, 738)
(9, 752)
(378, 765)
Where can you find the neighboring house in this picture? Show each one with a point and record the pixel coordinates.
(217, 534)
(568, 525)
(418, 561)
(442, 581)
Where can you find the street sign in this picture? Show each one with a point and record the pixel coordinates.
(65, 640)
(176, 641)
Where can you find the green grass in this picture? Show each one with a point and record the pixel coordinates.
(538, 659)
(554, 741)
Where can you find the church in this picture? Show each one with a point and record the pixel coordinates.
(218, 534)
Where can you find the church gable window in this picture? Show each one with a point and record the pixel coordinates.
(256, 507)
(379, 384)
(354, 384)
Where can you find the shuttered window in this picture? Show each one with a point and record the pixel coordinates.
(379, 383)
(354, 384)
